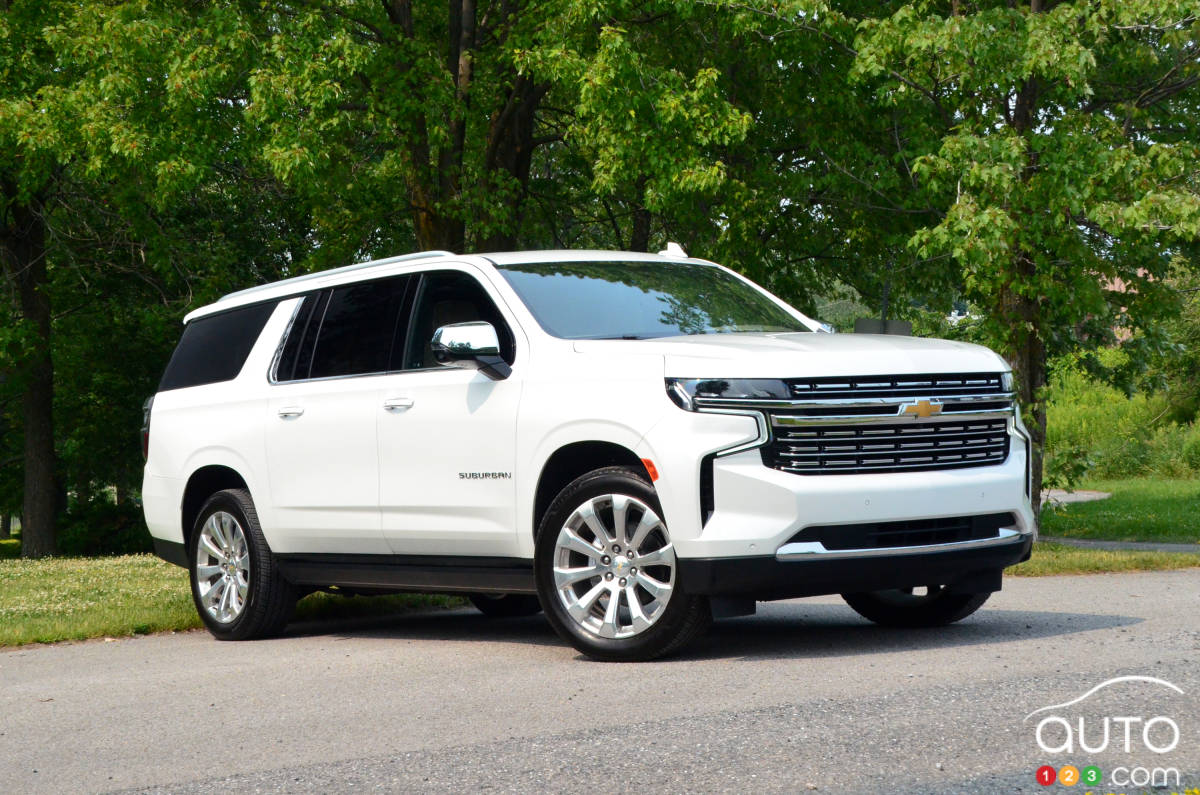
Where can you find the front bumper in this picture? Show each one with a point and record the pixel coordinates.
(971, 567)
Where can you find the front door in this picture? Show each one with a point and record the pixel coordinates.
(447, 436)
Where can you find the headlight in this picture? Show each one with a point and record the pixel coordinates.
(1006, 381)
(685, 391)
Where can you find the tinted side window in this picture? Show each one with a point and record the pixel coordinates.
(215, 347)
(356, 332)
(296, 357)
(450, 297)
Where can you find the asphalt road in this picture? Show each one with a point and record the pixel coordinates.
(804, 696)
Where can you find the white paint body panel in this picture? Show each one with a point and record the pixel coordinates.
(348, 476)
(460, 422)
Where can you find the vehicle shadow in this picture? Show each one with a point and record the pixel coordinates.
(780, 629)
(461, 624)
(785, 629)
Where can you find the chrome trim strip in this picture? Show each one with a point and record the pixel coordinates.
(897, 401)
(862, 419)
(764, 433)
(912, 466)
(815, 550)
(881, 451)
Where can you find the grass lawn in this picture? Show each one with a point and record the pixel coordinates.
(1051, 559)
(76, 598)
(1140, 509)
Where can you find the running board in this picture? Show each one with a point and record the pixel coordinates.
(418, 573)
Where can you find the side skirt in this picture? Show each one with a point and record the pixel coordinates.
(421, 573)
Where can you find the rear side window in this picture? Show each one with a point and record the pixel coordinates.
(357, 330)
(215, 347)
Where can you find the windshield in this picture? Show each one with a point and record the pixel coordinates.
(636, 300)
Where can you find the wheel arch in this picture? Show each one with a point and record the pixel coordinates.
(202, 484)
(569, 462)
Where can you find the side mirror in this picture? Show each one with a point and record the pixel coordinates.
(473, 346)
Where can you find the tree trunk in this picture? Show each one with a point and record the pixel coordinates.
(1027, 356)
(5, 525)
(510, 146)
(23, 250)
(1027, 353)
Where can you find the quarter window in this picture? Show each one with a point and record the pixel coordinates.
(214, 348)
(295, 359)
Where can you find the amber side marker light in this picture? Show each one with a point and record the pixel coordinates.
(651, 470)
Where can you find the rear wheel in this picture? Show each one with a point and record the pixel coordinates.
(932, 606)
(607, 574)
(236, 585)
(509, 605)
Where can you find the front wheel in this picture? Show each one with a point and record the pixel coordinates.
(607, 574)
(236, 584)
(933, 606)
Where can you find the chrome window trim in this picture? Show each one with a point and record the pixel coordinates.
(272, 371)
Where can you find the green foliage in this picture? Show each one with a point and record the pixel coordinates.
(10, 548)
(1176, 367)
(1099, 430)
(1066, 466)
(1034, 160)
(1191, 448)
(100, 527)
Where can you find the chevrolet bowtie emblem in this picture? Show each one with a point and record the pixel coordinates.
(922, 409)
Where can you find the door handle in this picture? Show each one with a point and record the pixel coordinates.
(291, 411)
(398, 404)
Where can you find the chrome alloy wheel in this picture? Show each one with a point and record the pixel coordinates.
(222, 567)
(614, 566)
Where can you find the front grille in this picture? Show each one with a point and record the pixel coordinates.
(891, 447)
(909, 533)
(939, 385)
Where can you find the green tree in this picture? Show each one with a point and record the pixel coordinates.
(1066, 157)
(31, 164)
(1036, 158)
(126, 195)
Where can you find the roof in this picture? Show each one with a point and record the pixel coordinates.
(314, 281)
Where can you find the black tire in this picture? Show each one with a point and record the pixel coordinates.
(509, 605)
(676, 622)
(935, 608)
(269, 599)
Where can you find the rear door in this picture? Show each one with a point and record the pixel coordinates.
(322, 443)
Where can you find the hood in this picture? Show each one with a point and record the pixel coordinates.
(802, 355)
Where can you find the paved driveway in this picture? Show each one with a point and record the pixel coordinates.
(803, 696)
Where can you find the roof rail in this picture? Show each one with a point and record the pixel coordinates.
(344, 269)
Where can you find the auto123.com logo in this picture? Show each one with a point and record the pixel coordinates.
(1112, 744)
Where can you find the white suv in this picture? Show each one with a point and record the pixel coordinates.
(633, 443)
